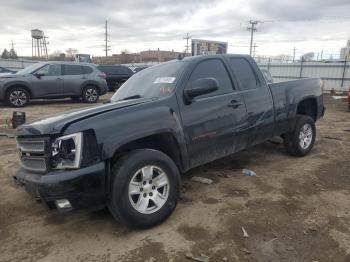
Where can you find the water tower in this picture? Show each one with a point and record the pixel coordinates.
(39, 48)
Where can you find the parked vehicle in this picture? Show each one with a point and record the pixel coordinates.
(349, 99)
(53, 80)
(4, 70)
(129, 154)
(138, 69)
(116, 75)
(267, 75)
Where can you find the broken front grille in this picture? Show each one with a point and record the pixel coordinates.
(34, 154)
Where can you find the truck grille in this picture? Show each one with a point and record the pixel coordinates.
(35, 164)
(31, 146)
(34, 154)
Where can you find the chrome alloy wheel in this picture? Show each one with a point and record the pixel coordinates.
(305, 136)
(91, 94)
(18, 98)
(149, 189)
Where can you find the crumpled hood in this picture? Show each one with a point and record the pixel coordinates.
(56, 123)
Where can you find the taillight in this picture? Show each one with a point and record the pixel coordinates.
(102, 75)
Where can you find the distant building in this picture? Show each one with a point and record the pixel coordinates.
(345, 52)
(156, 56)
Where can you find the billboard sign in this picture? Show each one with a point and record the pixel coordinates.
(208, 47)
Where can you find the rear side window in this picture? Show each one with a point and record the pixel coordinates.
(213, 68)
(110, 70)
(73, 70)
(244, 73)
(124, 70)
(87, 70)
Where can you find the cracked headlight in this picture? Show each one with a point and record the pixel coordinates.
(67, 151)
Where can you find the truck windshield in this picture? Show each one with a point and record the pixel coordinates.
(156, 81)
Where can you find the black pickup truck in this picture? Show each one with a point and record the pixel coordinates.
(128, 154)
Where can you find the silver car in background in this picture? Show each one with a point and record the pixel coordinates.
(53, 80)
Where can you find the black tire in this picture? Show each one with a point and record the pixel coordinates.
(90, 94)
(293, 141)
(17, 97)
(124, 170)
(114, 86)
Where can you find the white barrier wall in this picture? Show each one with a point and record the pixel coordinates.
(335, 74)
(16, 64)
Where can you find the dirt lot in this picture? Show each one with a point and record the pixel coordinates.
(296, 209)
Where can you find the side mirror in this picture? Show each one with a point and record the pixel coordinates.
(39, 75)
(201, 86)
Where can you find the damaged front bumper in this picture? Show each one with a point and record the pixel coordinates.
(67, 190)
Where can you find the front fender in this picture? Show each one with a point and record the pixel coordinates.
(15, 83)
(116, 128)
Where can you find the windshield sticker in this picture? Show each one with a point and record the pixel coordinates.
(166, 89)
(164, 80)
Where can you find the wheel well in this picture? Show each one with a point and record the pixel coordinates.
(21, 86)
(308, 107)
(164, 142)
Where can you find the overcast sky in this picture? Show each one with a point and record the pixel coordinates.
(135, 25)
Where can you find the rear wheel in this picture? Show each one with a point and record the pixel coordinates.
(301, 140)
(17, 97)
(114, 86)
(145, 188)
(90, 94)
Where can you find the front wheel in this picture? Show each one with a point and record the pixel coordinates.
(145, 188)
(17, 97)
(300, 141)
(90, 94)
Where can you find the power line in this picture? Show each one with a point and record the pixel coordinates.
(107, 47)
(252, 29)
(187, 38)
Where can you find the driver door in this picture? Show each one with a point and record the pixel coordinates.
(213, 122)
(48, 81)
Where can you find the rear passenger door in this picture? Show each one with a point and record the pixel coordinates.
(258, 100)
(212, 122)
(73, 79)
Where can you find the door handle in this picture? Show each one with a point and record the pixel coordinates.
(59, 78)
(83, 77)
(234, 104)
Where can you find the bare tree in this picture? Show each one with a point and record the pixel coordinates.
(71, 52)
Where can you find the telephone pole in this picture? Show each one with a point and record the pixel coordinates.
(187, 46)
(252, 29)
(254, 50)
(107, 47)
(294, 49)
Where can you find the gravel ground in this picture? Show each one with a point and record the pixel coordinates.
(295, 209)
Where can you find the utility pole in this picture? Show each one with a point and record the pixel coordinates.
(107, 47)
(252, 29)
(254, 49)
(321, 54)
(294, 49)
(187, 46)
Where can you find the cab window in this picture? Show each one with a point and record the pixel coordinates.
(216, 69)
